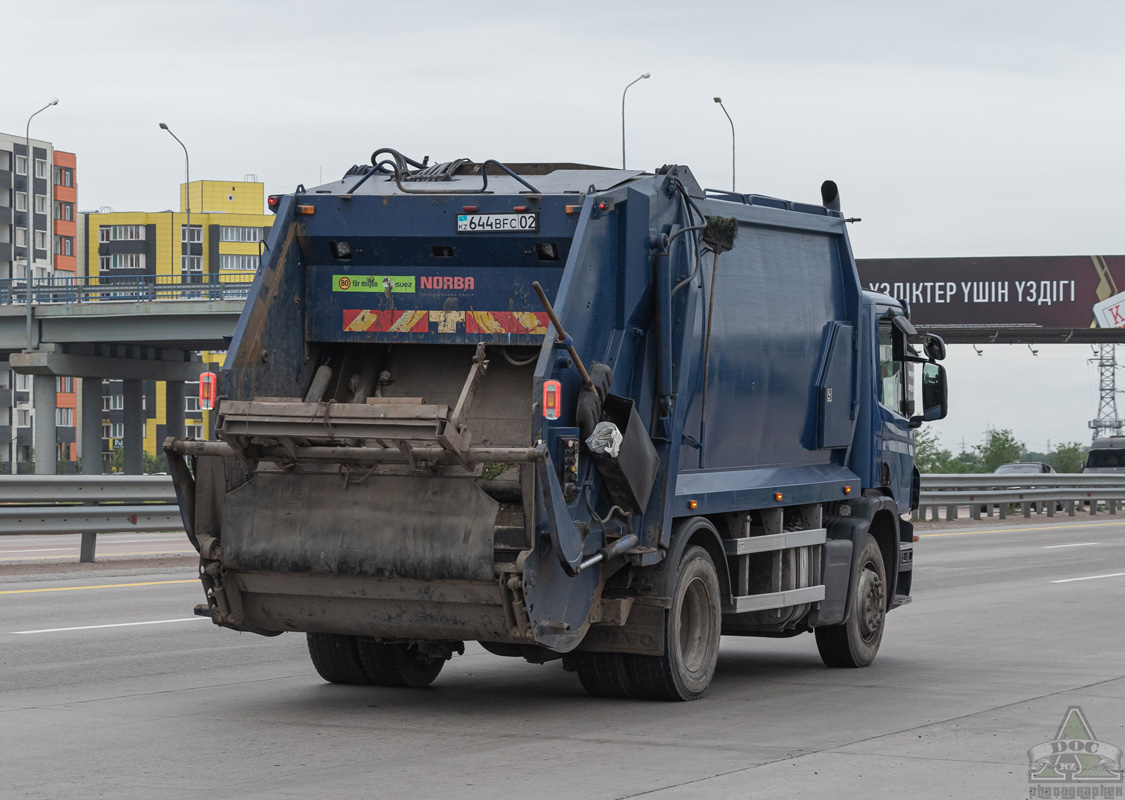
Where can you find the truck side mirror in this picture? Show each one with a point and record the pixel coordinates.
(934, 346)
(935, 395)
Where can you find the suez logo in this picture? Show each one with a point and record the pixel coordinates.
(388, 284)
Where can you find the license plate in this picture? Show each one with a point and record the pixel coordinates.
(495, 223)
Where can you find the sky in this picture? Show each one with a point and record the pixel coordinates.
(953, 129)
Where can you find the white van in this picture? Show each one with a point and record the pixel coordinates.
(1106, 455)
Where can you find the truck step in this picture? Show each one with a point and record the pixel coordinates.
(774, 541)
(763, 602)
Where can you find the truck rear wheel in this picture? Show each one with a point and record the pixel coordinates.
(855, 642)
(691, 636)
(604, 674)
(402, 665)
(336, 658)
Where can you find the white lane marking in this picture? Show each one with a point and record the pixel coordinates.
(1091, 577)
(115, 625)
(102, 542)
(37, 550)
(1077, 544)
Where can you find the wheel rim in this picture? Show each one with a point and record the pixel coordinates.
(873, 597)
(695, 625)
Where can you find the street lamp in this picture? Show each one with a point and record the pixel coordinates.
(643, 77)
(31, 212)
(719, 100)
(184, 265)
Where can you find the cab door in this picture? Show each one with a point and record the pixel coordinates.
(895, 443)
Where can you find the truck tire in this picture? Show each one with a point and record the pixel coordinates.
(855, 642)
(604, 674)
(400, 665)
(336, 658)
(691, 636)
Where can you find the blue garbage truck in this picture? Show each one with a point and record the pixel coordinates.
(601, 416)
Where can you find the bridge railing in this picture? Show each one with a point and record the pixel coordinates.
(88, 505)
(1042, 493)
(126, 288)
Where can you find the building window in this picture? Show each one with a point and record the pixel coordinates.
(41, 240)
(23, 418)
(192, 264)
(40, 204)
(113, 402)
(113, 431)
(122, 261)
(239, 234)
(23, 382)
(191, 403)
(21, 236)
(64, 384)
(196, 234)
(21, 201)
(121, 233)
(245, 263)
(40, 168)
(64, 417)
(68, 246)
(193, 431)
(21, 165)
(68, 177)
(68, 212)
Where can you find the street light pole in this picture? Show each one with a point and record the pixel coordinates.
(29, 162)
(187, 171)
(719, 100)
(31, 212)
(643, 77)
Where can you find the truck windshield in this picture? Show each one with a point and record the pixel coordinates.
(1106, 459)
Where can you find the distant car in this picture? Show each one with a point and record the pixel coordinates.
(1026, 468)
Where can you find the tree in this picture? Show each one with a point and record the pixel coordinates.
(931, 458)
(999, 448)
(1068, 457)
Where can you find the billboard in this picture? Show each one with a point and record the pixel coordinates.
(1009, 299)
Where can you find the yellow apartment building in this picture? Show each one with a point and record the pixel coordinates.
(155, 255)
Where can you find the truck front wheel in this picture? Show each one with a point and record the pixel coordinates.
(398, 664)
(855, 642)
(691, 636)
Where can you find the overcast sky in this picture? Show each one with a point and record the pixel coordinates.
(953, 128)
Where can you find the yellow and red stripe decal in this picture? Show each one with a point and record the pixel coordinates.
(377, 321)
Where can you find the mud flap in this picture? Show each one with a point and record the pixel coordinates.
(427, 528)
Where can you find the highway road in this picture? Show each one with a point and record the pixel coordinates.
(110, 688)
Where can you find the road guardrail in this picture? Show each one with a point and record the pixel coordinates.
(1049, 492)
(87, 505)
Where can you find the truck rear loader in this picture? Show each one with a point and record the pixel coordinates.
(596, 415)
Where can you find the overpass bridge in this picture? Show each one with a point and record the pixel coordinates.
(130, 329)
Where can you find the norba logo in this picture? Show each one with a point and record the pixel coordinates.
(1075, 758)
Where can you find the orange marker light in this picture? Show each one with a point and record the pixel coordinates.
(847, 490)
(693, 504)
(207, 391)
(552, 399)
(574, 209)
(310, 210)
(777, 496)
